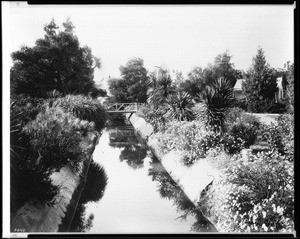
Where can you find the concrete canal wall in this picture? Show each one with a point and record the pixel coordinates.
(192, 180)
(35, 217)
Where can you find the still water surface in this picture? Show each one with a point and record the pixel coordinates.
(129, 191)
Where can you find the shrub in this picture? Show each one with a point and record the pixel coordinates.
(245, 132)
(231, 144)
(250, 119)
(241, 125)
(277, 108)
(56, 136)
(194, 139)
(24, 109)
(254, 195)
(280, 136)
(154, 116)
(268, 202)
(286, 126)
(43, 140)
(84, 108)
(234, 114)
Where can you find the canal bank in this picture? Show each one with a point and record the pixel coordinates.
(128, 190)
(193, 180)
(36, 217)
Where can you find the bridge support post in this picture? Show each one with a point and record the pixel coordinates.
(130, 115)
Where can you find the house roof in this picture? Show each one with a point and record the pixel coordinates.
(238, 85)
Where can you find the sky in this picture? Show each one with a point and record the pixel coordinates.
(178, 37)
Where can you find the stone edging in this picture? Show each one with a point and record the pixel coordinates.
(35, 217)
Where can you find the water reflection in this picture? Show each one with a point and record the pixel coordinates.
(133, 152)
(122, 136)
(134, 155)
(169, 189)
(94, 190)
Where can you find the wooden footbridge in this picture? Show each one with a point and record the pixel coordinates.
(118, 110)
(121, 108)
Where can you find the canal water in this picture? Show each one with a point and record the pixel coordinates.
(129, 191)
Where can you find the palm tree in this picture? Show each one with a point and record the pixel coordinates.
(180, 106)
(215, 101)
(160, 91)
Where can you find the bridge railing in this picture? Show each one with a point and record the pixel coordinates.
(121, 107)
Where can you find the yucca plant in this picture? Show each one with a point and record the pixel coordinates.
(180, 107)
(84, 108)
(215, 101)
(160, 92)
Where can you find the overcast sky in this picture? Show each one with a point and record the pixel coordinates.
(179, 37)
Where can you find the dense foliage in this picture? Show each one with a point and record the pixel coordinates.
(195, 140)
(242, 125)
(45, 136)
(56, 137)
(280, 135)
(56, 62)
(84, 108)
(195, 82)
(133, 85)
(118, 90)
(154, 116)
(47, 128)
(255, 195)
(27, 180)
(222, 68)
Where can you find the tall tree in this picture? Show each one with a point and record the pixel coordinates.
(195, 82)
(136, 78)
(56, 62)
(260, 85)
(222, 67)
(118, 90)
(199, 78)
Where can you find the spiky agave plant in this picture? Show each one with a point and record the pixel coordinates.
(215, 101)
(160, 91)
(180, 107)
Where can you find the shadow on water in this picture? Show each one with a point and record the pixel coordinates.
(134, 156)
(94, 190)
(168, 188)
(133, 150)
